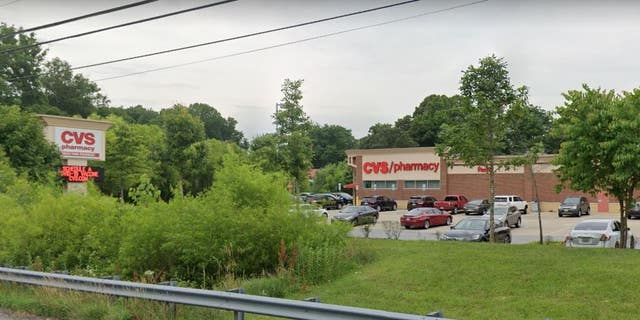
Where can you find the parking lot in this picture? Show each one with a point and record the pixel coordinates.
(554, 228)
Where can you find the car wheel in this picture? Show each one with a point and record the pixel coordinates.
(339, 206)
(588, 211)
(466, 213)
(579, 213)
(449, 220)
(559, 215)
(507, 239)
(375, 219)
(455, 210)
(525, 210)
(519, 223)
(395, 207)
(406, 227)
(426, 224)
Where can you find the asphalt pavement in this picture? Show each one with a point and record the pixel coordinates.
(554, 228)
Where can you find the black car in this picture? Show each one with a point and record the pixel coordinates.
(634, 212)
(420, 201)
(574, 206)
(344, 197)
(380, 203)
(477, 206)
(325, 200)
(477, 229)
(357, 215)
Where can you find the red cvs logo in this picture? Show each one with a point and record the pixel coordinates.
(375, 167)
(78, 137)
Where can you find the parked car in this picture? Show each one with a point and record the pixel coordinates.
(425, 218)
(575, 206)
(634, 212)
(380, 203)
(452, 203)
(344, 197)
(309, 209)
(509, 215)
(304, 196)
(420, 201)
(477, 206)
(512, 200)
(477, 229)
(602, 233)
(357, 215)
(325, 200)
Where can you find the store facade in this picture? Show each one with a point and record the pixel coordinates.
(400, 173)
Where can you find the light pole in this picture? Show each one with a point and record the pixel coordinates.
(355, 185)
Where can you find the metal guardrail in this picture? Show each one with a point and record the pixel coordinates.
(238, 302)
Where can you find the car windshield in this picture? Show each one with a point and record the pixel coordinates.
(369, 199)
(418, 211)
(500, 199)
(415, 198)
(571, 201)
(475, 202)
(591, 226)
(450, 198)
(472, 224)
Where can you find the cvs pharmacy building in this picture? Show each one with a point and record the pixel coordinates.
(400, 173)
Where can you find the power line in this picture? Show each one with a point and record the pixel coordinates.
(118, 26)
(293, 42)
(8, 3)
(244, 36)
(53, 24)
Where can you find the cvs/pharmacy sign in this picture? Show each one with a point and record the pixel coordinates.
(80, 143)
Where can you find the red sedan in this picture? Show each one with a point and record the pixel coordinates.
(425, 217)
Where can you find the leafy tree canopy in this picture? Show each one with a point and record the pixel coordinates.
(386, 136)
(329, 144)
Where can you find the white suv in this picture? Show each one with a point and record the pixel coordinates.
(511, 200)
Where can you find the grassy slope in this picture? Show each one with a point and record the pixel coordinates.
(482, 281)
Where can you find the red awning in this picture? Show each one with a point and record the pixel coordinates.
(349, 186)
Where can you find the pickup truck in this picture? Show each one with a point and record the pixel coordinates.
(453, 203)
(511, 200)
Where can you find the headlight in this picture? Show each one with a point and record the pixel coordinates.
(476, 236)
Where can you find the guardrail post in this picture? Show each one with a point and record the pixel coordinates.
(173, 312)
(237, 315)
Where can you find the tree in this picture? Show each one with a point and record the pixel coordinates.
(292, 130)
(215, 126)
(329, 176)
(386, 136)
(181, 129)
(204, 160)
(72, 93)
(20, 70)
(600, 148)
(23, 141)
(329, 144)
(481, 135)
(430, 115)
(526, 125)
(132, 152)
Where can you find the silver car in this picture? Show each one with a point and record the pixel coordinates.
(603, 233)
(509, 215)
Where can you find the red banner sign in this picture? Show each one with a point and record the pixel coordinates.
(81, 173)
(384, 167)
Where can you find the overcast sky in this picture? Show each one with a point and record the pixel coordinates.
(354, 79)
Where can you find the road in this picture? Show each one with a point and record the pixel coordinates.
(554, 228)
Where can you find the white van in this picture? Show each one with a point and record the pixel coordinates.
(511, 200)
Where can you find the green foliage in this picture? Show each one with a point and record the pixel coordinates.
(290, 116)
(215, 126)
(328, 177)
(204, 159)
(23, 141)
(145, 192)
(386, 136)
(600, 147)
(329, 144)
(20, 70)
(72, 93)
(431, 114)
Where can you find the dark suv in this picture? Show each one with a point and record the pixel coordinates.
(326, 200)
(380, 203)
(420, 201)
(575, 206)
